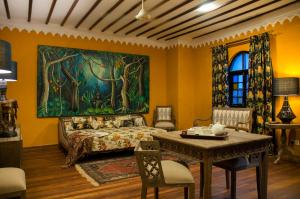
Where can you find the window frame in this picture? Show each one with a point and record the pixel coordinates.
(231, 74)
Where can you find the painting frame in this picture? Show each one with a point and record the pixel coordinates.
(93, 71)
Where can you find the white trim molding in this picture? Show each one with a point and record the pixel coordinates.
(261, 23)
(55, 29)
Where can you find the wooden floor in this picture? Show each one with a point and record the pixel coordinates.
(47, 179)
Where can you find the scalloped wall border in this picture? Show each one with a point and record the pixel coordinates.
(55, 29)
(280, 16)
(259, 24)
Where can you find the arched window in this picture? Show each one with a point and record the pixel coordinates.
(238, 79)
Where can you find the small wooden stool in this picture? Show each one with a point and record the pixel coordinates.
(12, 183)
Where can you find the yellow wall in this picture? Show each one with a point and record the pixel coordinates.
(186, 84)
(172, 80)
(38, 132)
(180, 84)
(181, 77)
(203, 83)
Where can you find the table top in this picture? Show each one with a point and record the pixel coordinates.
(234, 138)
(282, 125)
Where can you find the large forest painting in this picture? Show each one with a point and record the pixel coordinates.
(86, 82)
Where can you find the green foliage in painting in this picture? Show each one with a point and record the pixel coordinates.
(85, 82)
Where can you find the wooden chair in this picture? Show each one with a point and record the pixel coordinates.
(12, 183)
(159, 173)
(163, 118)
(237, 164)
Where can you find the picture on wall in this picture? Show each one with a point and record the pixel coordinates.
(73, 82)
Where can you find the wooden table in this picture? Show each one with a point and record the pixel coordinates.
(284, 142)
(10, 150)
(239, 144)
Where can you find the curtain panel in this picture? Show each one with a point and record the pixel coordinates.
(220, 93)
(260, 81)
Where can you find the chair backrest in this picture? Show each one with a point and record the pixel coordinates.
(149, 162)
(231, 116)
(163, 113)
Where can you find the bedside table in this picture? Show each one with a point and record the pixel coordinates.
(10, 150)
(284, 143)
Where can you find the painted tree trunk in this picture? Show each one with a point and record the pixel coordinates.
(74, 92)
(140, 77)
(45, 94)
(113, 88)
(46, 66)
(75, 97)
(124, 78)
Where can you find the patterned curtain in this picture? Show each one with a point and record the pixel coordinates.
(220, 91)
(260, 80)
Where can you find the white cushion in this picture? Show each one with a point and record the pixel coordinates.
(164, 113)
(12, 180)
(176, 173)
(164, 125)
(230, 117)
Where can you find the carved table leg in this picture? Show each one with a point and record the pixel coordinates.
(264, 174)
(207, 177)
(201, 178)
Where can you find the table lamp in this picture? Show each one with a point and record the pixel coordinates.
(5, 57)
(286, 86)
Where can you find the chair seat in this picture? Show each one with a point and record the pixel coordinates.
(12, 180)
(176, 173)
(237, 164)
(164, 124)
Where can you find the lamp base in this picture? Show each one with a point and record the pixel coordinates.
(286, 114)
(8, 134)
(8, 116)
(3, 88)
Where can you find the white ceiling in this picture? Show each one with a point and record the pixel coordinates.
(171, 19)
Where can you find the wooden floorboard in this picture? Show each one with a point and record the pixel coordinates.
(46, 178)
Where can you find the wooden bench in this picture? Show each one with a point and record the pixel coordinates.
(237, 118)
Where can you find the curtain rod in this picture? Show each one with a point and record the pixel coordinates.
(238, 42)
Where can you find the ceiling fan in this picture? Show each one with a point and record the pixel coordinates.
(143, 14)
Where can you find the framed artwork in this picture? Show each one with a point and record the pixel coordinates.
(72, 82)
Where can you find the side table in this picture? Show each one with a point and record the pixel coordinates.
(284, 142)
(10, 150)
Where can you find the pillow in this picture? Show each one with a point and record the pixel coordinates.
(124, 117)
(128, 123)
(108, 124)
(100, 122)
(80, 123)
(92, 123)
(139, 121)
(79, 126)
(117, 123)
(68, 125)
(78, 119)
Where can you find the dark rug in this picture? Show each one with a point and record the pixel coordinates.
(116, 168)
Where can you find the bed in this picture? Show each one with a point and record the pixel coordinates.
(81, 136)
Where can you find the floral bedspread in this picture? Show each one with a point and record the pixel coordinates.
(82, 142)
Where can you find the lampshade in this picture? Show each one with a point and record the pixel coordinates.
(286, 86)
(13, 76)
(5, 57)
